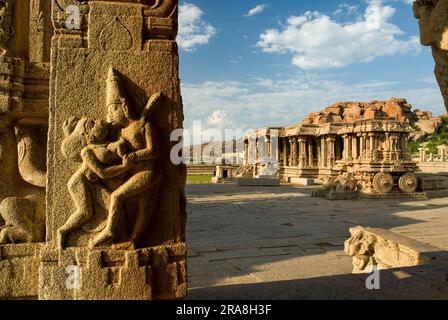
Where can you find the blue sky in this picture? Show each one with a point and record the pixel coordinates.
(249, 64)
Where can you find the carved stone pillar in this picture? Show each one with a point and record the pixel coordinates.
(323, 153)
(345, 148)
(423, 155)
(355, 151)
(442, 152)
(268, 147)
(294, 151)
(348, 148)
(246, 152)
(362, 142)
(123, 227)
(302, 150)
(331, 152)
(388, 142)
(257, 150)
(285, 152)
(310, 153)
(24, 97)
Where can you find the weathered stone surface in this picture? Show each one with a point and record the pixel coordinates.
(113, 190)
(116, 203)
(385, 250)
(280, 243)
(397, 109)
(19, 266)
(24, 91)
(433, 22)
(111, 274)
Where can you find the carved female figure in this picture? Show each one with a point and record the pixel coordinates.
(138, 136)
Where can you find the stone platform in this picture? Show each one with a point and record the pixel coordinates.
(281, 243)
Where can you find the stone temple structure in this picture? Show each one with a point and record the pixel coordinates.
(433, 22)
(352, 146)
(98, 211)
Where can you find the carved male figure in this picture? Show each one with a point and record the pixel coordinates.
(86, 140)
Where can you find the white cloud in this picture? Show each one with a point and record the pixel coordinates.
(346, 8)
(319, 42)
(269, 102)
(220, 120)
(257, 10)
(193, 30)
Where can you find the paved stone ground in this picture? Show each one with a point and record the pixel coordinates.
(281, 243)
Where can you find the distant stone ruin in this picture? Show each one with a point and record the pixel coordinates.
(352, 146)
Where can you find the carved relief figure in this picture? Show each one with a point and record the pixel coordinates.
(129, 161)
(22, 218)
(86, 141)
(138, 135)
(361, 247)
(5, 25)
(433, 22)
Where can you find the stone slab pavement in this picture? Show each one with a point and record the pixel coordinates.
(281, 243)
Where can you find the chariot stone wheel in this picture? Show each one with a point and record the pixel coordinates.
(383, 182)
(408, 183)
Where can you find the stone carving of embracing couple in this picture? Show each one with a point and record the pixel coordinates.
(123, 151)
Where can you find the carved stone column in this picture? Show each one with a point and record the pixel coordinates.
(348, 148)
(120, 225)
(24, 97)
(423, 154)
(294, 151)
(323, 152)
(268, 146)
(345, 151)
(285, 152)
(442, 152)
(302, 150)
(388, 142)
(355, 151)
(331, 152)
(361, 146)
(246, 152)
(257, 150)
(310, 153)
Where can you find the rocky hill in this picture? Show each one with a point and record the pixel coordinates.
(430, 132)
(348, 112)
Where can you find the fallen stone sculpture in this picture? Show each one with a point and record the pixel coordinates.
(386, 250)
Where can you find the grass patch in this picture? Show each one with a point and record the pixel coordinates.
(199, 179)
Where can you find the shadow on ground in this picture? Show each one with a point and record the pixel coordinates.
(399, 284)
(278, 242)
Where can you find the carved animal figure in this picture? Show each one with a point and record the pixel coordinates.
(22, 217)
